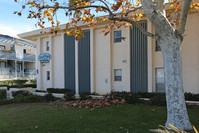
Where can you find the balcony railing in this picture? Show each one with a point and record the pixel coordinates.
(9, 55)
(5, 73)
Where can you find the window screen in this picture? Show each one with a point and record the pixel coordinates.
(47, 46)
(117, 36)
(159, 79)
(118, 74)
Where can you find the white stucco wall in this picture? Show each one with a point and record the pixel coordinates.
(45, 66)
(102, 62)
(121, 60)
(58, 61)
(190, 54)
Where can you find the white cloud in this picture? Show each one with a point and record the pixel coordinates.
(6, 30)
(14, 30)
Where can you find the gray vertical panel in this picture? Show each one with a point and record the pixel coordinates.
(69, 62)
(139, 66)
(84, 62)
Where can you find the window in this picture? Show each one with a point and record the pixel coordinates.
(117, 74)
(117, 36)
(24, 51)
(2, 47)
(159, 79)
(12, 48)
(47, 46)
(157, 46)
(48, 75)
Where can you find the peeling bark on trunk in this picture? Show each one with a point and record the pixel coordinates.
(176, 107)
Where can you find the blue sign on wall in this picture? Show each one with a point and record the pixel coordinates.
(44, 57)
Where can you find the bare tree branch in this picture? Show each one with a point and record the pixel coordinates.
(135, 24)
(132, 10)
(111, 16)
(183, 17)
(157, 18)
(75, 8)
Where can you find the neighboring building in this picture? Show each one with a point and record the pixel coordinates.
(17, 58)
(98, 63)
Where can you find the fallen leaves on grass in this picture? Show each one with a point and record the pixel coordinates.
(91, 104)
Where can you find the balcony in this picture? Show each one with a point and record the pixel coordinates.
(6, 73)
(9, 55)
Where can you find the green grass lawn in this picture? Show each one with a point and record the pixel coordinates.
(42, 118)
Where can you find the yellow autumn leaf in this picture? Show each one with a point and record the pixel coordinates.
(171, 5)
(51, 10)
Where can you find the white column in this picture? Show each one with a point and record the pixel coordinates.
(38, 65)
(51, 61)
(76, 70)
(150, 56)
(92, 59)
(23, 69)
(15, 68)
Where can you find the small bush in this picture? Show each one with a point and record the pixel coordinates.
(148, 95)
(31, 85)
(33, 81)
(49, 97)
(3, 94)
(58, 90)
(128, 96)
(20, 82)
(69, 96)
(40, 91)
(21, 93)
(191, 97)
(85, 95)
(159, 100)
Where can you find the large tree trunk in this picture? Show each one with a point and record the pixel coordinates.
(176, 107)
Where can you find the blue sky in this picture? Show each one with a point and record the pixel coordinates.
(11, 24)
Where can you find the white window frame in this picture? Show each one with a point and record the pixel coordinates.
(117, 37)
(47, 75)
(47, 46)
(157, 82)
(117, 75)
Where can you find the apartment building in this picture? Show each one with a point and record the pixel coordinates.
(17, 58)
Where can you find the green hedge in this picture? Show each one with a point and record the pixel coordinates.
(21, 93)
(23, 99)
(58, 90)
(3, 94)
(19, 83)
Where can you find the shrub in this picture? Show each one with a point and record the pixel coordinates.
(33, 81)
(3, 94)
(69, 96)
(159, 100)
(20, 82)
(21, 93)
(16, 82)
(40, 91)
(49, 97)
(191, 97)
(128, 96)
(148, 95)
(58, 90)
(85, 95)
(31, 85)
